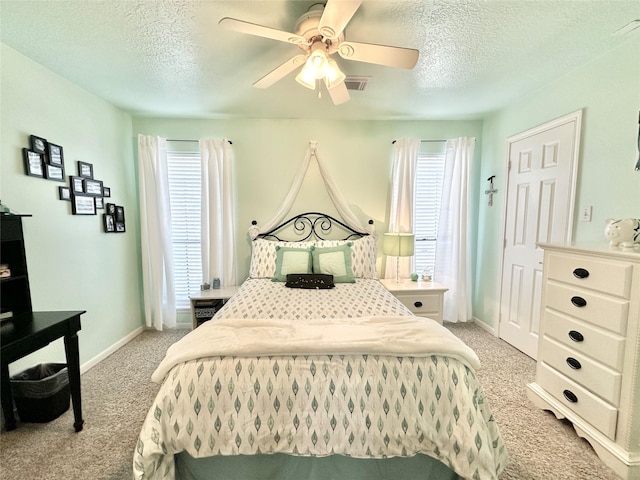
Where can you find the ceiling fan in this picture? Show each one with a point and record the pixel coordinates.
(320, 33)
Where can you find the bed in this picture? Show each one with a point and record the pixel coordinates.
(337, 379)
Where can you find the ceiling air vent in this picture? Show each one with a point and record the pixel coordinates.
(356, 83)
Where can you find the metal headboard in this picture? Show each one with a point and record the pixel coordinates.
(312, 224)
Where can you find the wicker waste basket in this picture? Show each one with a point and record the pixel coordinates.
(41, 393)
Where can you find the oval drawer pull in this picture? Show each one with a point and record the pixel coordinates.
(579, 302)
(576, 336)
(574, 363)
(581, 273)
(569, 395)
(417, 304)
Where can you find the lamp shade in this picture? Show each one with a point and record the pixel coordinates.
(398, 244)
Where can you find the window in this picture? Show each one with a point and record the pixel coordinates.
(428, 194)
(185, 197)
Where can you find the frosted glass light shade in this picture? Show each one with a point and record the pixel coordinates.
(398, 244)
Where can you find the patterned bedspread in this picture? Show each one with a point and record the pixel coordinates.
(364, 405)
(262, 298)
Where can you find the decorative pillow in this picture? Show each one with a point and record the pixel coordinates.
(363, 254)
(291, 260)
(334, 261)
(263, 256)
(309, 280)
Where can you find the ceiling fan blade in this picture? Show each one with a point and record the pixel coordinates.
(398, 57)
(280, 72)
(260, 31)
(339, 94)
(336, 15)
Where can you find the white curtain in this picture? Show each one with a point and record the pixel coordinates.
(218, 212)
(403, 180)
(453, 246)
(336, 196)
(155, 234)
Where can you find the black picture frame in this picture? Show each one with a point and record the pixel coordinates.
(110, 208)
(56, 156)
(53, 172)
(64, 193)
(108, 224)
(119, 216)
(38, 144)
(83, 205)
(33, 163)
(120, 228)
(76, 184)
(99, 203)
(85, 170)
(92, 187)
(106, 191)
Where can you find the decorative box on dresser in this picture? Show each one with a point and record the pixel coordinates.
(588, 368)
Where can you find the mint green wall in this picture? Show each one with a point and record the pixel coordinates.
(268, 153)
(72, 264)
(608, 91)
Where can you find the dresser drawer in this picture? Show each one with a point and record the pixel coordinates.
(592, 375)
(606, 347)
(608, 276)
(420, 304)
(595, 411)
(602, 310)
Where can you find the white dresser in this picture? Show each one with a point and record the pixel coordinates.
(588, 367)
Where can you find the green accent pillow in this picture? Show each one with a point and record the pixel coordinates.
(291, 260)
(334, 261)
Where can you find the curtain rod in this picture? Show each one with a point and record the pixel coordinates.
(425, 141)
(196, 141)
(428, 141)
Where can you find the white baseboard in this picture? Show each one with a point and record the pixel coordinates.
(485, 326)
(102, 355)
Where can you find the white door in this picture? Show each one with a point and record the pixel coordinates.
(539, 208)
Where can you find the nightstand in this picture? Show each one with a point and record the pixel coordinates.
(424, 299)
(205, 303)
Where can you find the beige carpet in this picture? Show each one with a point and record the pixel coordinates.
(117, 394)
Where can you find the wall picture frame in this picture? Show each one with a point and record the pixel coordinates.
(55, 155)
(64, 193)
(38, 144)
(76, 184)
(85, 170)
(119, 216)
(92, 187)
(33, 163)
(120, 227)
(106, 191)
(110, 208)
(53, 172)
(99, 203)
(108, 224)
(83, 205)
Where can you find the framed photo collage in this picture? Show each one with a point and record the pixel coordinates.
(87, 194)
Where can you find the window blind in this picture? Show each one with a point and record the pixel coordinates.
(185, 196)
(428, 195)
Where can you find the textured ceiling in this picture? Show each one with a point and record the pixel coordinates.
(170, 57)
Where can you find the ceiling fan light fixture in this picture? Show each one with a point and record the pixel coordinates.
(307, 77)
(333, 75)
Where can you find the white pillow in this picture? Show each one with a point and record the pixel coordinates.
(263, 256)
(291, 260)
(363, 254)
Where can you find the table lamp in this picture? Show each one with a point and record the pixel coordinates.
(398, 245)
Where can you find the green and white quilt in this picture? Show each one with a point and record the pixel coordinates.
(366, 387)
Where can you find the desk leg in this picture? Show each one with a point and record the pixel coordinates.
(7, 399)
(73, 364)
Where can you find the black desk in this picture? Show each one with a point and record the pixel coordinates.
(29, 332)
